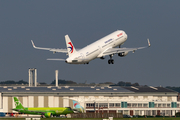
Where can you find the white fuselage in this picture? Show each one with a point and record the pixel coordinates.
(96, 49)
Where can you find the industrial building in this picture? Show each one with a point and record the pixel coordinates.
(110, 99)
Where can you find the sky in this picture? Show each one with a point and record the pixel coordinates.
(46, 22)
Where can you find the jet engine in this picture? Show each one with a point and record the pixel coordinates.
(122, 54)
(47, 115)
(103, 57)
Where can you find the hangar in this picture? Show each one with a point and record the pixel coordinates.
(142, 100)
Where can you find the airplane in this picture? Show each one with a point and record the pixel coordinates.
(99, 49)
(48, 111)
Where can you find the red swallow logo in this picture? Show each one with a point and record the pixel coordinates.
(71, 47)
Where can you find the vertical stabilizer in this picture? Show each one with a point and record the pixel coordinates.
(70, 47)
(18, 104)
(78, 107)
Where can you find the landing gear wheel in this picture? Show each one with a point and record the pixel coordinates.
(110, 61)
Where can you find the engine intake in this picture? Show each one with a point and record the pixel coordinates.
(122, 54)
(47, 115)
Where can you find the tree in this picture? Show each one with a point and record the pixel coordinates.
(8, 82)
(21, 82)
(135, 84)
(128, 84)
(13, 82)
(64, 82)
(43, 83)
(121, 83)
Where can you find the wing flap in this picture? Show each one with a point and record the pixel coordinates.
(118, 50)
(59, 50)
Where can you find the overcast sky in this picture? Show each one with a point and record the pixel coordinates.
(46, 22)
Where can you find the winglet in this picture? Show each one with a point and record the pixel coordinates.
(149, 44)
(33, 44)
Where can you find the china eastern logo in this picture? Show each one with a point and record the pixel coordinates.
(75, 104)
(71, 47)
(119, 34)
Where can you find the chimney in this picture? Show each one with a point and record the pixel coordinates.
(56, 76)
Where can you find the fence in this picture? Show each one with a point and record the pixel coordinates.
(96, 115)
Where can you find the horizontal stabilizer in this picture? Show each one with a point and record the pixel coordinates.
(56, 59)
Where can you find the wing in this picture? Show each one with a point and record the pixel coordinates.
(54, 50)
(111, 51)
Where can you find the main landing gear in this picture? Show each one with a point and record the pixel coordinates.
(111, 61)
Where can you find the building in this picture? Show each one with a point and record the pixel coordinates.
(127, 100)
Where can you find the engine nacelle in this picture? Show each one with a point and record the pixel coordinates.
(103, 57)
(47, 115)
(122, 54)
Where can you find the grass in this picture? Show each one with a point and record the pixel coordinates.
(169, 118)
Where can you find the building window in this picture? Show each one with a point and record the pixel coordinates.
(136, 112)
(111, 104)
(129, 105)
(141, 112)
(139, 105)
(114, 104)
(168, 105)
(159, 105)
(134, 105)
(117, 104)
(145, 105)
(177, 105)
(120, 111)
(126, 112)
(168, 112)
(104, 105)
(164, 105)
(155, 105)
(89, 104)
(154, 112)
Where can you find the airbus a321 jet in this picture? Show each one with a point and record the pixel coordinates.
(48, 111)
(106, 46)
